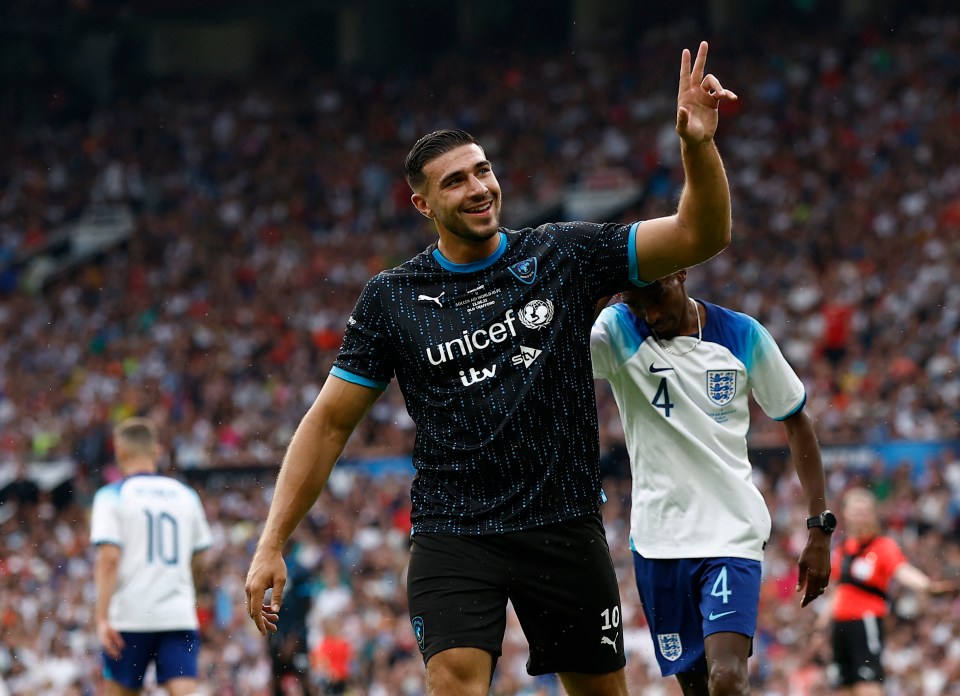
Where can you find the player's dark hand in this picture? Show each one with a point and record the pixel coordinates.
(267, 572)
(699, 99)
(814, 567)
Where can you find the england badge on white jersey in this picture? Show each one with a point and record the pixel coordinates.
(721, 386)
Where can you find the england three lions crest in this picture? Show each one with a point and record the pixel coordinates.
(721, 386)
(670, 646)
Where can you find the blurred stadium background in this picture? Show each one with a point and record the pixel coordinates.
(193, 194)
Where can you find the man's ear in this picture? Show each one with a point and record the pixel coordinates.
(420, 203)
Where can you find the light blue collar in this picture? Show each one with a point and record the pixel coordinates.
(473, 265)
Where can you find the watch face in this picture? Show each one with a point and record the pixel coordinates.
(828, 521)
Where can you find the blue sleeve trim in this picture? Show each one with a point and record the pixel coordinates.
(634, 268)
(357, 379)
(105, 542)
(740, 333)
(794, 411)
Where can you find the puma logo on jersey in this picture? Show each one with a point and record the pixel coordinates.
(607, 641)
(427, 298)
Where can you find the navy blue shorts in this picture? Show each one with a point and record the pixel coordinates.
(175, 652)
(687, 599)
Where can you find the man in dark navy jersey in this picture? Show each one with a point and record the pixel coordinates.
(488, 335)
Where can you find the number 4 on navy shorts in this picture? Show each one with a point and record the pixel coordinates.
(687, 599)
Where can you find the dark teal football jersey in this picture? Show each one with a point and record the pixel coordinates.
(493, 359)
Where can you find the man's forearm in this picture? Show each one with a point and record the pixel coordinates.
(805, 452)
(912, 577)
(704, 209)
(314, 449)
(309, 459)
(197, 566)
(105, 581)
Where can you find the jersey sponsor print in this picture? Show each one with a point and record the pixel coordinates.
(493, 361)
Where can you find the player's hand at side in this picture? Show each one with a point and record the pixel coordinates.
(110, 639)
(814, 567)
(267, 572)
(699, 99)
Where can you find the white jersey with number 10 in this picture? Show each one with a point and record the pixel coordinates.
(159, 524)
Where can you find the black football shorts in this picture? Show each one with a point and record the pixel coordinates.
(560, 579)
(857, 646)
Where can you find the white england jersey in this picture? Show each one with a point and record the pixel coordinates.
(685, 420)
(159, 524)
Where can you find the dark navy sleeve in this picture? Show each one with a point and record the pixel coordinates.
(365, 357)
(609, 251)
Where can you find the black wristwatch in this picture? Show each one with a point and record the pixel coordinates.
(826, 521)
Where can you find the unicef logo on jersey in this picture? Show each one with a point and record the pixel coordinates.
(721, 386)
(536, 314)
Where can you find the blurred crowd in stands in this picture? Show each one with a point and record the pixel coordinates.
(263, 206)
(345, 628)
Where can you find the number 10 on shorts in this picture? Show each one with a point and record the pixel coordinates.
(611, 618)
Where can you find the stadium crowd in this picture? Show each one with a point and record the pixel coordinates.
(348, 590)
(261, 209)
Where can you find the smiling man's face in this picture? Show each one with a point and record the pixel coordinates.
(461, 194)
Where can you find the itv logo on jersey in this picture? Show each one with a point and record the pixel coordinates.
(475, 376)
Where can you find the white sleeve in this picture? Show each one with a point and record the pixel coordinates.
(600, 352)
(776, 387)
(202, 537)
(104, 520)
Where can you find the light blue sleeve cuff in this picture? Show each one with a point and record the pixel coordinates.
(634, 270)
(357, 379)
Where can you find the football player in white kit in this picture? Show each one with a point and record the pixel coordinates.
(150, 531)
(681, 371)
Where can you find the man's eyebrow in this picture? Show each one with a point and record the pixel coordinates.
(459, 172)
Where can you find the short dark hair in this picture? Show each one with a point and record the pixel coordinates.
(429, 147)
